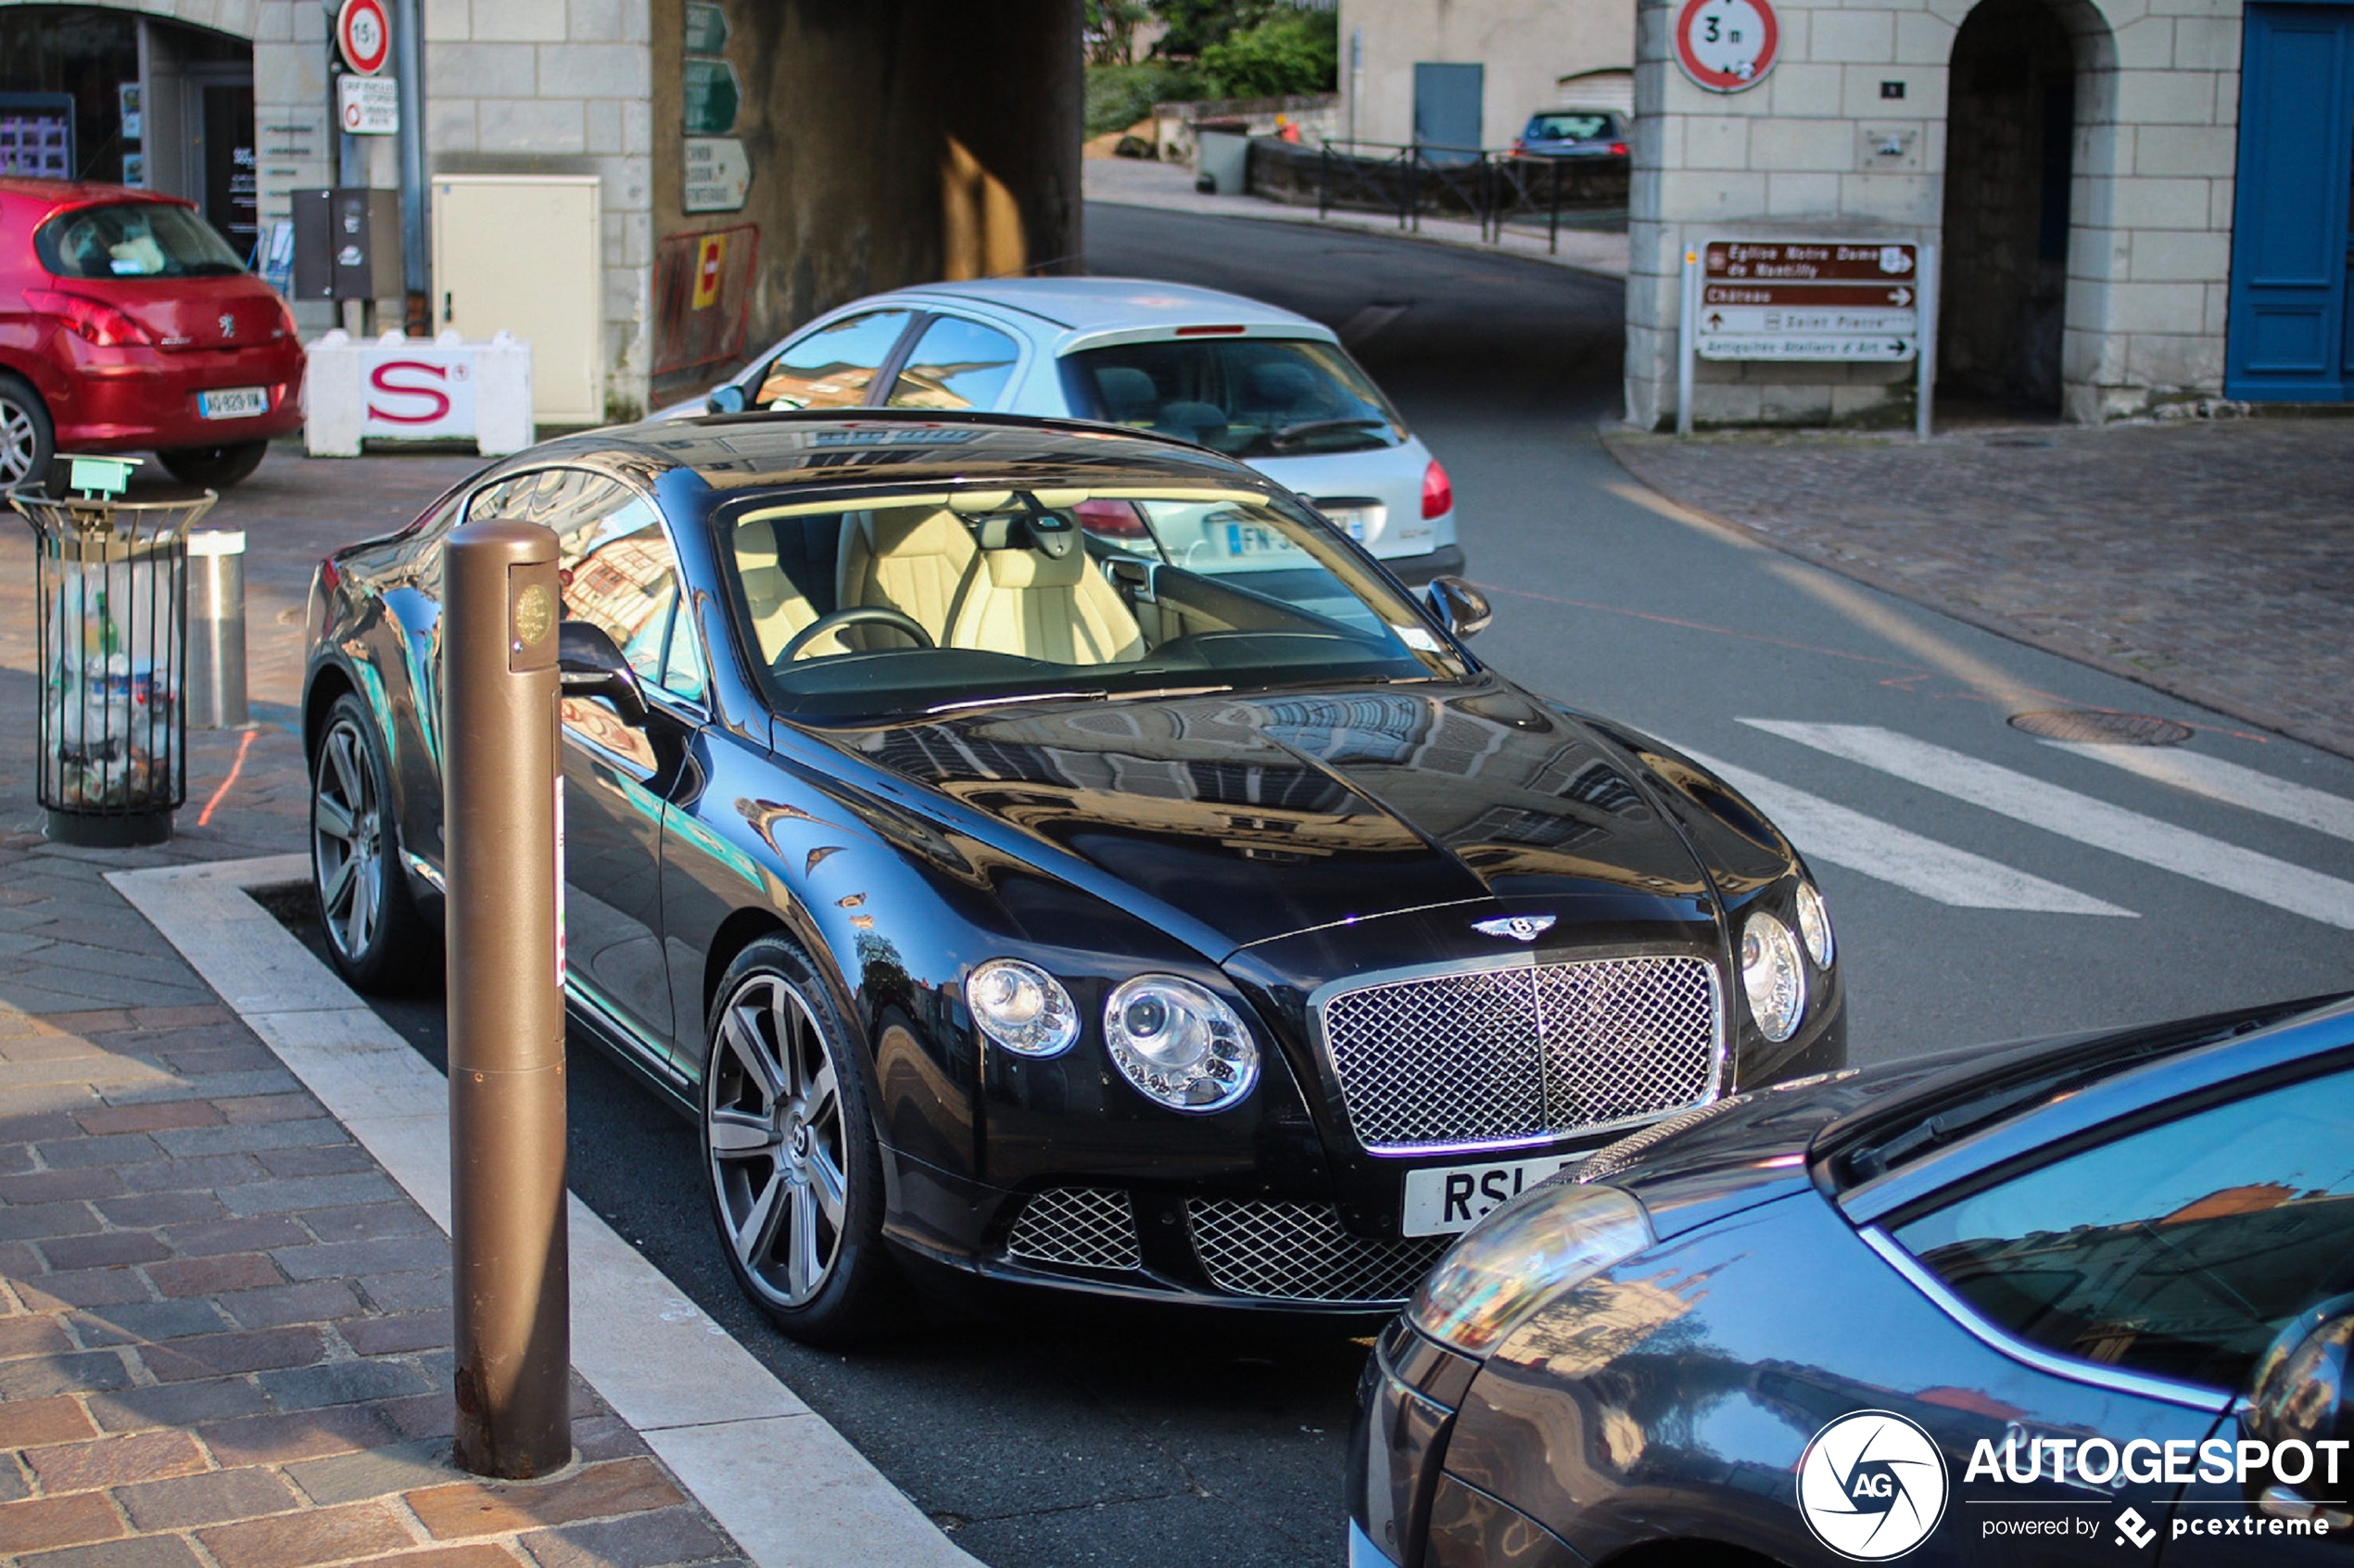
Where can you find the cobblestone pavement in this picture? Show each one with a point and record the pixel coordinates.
(2213, 560)
(224, 1333)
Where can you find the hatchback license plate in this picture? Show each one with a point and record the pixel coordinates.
(1448, 1198)
(234, 402)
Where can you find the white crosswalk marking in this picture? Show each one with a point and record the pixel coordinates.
(2082, 817)
(2228, 782)
(1825, 830)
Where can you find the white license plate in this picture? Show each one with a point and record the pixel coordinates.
(234, 402)
(1448, 1198)
(1354, 521)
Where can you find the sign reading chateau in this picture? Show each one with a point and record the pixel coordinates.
(1808, 300)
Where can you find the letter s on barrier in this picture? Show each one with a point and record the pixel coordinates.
(379, 379)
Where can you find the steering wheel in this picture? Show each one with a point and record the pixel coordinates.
(857, 614)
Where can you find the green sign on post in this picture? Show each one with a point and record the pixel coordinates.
(711, 89)
(99, 475)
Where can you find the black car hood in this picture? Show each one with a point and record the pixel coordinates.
(1264, 815)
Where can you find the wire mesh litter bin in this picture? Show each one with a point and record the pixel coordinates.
(112, 598)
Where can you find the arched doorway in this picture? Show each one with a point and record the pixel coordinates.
(2010, 150)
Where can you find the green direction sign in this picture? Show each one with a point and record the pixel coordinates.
(706, 28)
(712, 95)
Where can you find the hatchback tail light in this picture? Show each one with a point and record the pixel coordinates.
(285, 327)
(1111, 519)
(94, 320)
(1618, 149)
(1439, 496)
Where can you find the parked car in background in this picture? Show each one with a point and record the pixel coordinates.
(127, 324)
(1056, 852)
(1573, 133)
(1271, 388)
(2001, 1305)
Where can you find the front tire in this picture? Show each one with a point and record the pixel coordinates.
(215, 467)
(376, 937)
(28, 439)
(795, 1169)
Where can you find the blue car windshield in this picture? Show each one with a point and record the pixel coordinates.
(884, 606)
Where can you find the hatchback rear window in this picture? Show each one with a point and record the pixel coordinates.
(137, 239)
(1244, 397)
(1571, 127)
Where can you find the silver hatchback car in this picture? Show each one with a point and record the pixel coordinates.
(1275, 389)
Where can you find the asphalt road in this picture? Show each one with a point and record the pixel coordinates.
(1047, 1435)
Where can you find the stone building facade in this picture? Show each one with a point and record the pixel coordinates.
(2074, 160)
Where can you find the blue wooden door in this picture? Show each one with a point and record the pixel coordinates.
(1446, 104)
(2291, 334)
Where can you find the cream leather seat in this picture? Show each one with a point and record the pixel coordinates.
(779, 608)
(918, 561)
(1028, 603)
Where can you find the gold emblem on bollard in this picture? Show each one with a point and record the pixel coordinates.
(534, 614)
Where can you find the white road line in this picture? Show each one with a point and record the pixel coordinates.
(2228, 782)
(1827, 832)
(2081, 817)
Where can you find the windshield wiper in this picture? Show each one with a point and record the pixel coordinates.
(1002, 699)
(1305, 428)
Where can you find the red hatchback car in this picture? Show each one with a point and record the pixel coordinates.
(127, 324)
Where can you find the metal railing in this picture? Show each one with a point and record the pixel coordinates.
(1493, 187)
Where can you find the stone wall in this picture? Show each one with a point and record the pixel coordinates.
(1823, 145)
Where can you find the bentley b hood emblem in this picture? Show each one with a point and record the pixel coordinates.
(1519, 928)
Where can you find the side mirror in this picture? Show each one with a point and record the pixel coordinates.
(589, 664)
(1461, 608)
(727, 398)
(2300, 1402)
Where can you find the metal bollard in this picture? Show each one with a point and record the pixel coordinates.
(500, 810)
(216, 682)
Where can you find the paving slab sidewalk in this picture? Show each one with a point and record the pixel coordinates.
(2212, 559)
(224, 1331)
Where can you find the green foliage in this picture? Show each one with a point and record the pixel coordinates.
(1291, 51)
(1118, 96)
(1110, 27)
(1195, 25)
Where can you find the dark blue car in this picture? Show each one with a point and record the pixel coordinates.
(2086, 1300)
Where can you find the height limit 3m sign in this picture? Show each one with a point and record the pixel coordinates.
(1809, 299)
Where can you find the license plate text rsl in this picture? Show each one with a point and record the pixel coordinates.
(1446, 1199)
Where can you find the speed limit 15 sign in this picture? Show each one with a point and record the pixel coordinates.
(1726, 45)
(362, 36)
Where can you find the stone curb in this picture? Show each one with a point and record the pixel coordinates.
(774, 1474)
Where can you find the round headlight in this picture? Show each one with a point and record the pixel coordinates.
(1814, 926)
(1772, 977)
(1178, 1043)
(1552, 1237)
(1022, 1007)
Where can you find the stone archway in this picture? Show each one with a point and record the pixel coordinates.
(2029, 89)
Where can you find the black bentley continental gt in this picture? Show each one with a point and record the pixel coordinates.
(1056, 851)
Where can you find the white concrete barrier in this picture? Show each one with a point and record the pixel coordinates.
(411, 389)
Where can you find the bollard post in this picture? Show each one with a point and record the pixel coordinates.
(217, 629)
(502, 831)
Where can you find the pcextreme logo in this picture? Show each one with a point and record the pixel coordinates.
(1871, 1486)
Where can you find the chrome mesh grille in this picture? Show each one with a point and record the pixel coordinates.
(1091, 1227)
(1301, 1252)
(1493, 1056)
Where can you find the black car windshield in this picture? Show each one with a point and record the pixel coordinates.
(137, 239)
(1244, 397)
(882, 606)
(1574, 127)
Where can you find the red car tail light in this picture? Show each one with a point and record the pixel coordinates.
(1111, 519)
(1439, 496)
(285, 327)
(91, 319)
(1618, 149)
(1209, 331)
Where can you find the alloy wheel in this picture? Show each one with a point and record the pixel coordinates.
(19, 441)
(346, 835)
(773, 1129)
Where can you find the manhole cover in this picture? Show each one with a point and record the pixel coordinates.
(2098, 726)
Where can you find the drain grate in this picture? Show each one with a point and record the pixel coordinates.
(2099, 727)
